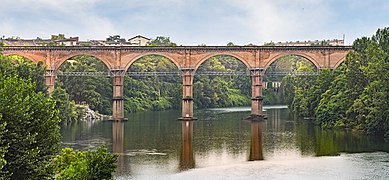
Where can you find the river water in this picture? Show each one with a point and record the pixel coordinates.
(222, 145)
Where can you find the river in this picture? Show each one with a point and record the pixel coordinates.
(222, 145)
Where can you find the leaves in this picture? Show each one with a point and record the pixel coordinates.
(92, 165)
(357, 97)
(32, 130)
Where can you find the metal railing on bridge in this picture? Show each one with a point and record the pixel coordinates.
(176, 73)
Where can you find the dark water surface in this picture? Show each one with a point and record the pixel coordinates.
(221, 145)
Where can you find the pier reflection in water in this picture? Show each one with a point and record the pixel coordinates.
(186, 158)
(118, 147)
(154, 145)
(256, 150)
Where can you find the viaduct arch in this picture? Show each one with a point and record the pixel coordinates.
(187, 58)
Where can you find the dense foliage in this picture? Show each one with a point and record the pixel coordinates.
(31, 130)
(25, 69)
(221, 91)
(152, 92)
(29, 118)
(286, 64)
(92, 165)
(96, 91)
(355, 95)
(4, 145)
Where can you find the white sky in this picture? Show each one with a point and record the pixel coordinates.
(194, 22)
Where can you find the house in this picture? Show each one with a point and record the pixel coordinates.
(139, 40)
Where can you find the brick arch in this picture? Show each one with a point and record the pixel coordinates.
(31, 57)
(59, 62)
(280, 55)
(340, 62)
(198, 64)
(133, 60)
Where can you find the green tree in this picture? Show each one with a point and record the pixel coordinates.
(91, 165)
(66, 107)
(24, 68)
(95, 91)
(3, 145)
(116, 38)
(70, 165)
(32, 130)
(161, 41)
(355, 95)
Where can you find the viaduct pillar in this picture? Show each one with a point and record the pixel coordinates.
(118, 95)
(187, 93)
(256, 94)
(50, 80)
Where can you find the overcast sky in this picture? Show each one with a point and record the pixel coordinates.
(194, 22)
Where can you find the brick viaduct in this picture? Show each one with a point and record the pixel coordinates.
(187, 58)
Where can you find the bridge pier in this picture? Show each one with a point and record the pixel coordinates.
(118, 95)
(50, 80)
(187, 93)
(256, 95)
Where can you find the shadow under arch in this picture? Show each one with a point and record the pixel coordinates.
(58, 64)
(139, 57)
(281, 55)
(221, 54)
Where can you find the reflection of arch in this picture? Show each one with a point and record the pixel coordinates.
(65, 58)
(27, 56)
(278, 56)
(132, 61)
(221, 54)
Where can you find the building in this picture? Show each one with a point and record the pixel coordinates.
(139, 40)
(57, 40)
(72, 41)
(334, 42)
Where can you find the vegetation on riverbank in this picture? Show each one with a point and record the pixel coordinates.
(29, 121)
(355, 95)
(78, 165)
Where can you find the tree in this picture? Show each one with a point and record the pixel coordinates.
(94, 91)
(92, 165)
(161, 41)
(25, 69)
(66, 107)
(355, 95)
(58, 37)
(116, 38)
(231, 44)
(32, 130)
(100, 164)
(3, 145)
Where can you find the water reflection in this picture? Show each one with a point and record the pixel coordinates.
(186, 158)
(154, 145)
(117, 147)
(256, 150)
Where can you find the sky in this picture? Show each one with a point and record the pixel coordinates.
(195, 22)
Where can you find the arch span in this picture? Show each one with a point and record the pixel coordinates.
(278, 56)
(65, 58)
(133, 60)
(340, 62)
(198, 64)
(27, 56)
